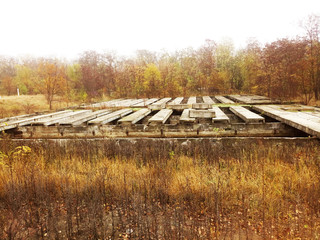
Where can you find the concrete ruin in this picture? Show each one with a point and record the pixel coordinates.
(180, 117)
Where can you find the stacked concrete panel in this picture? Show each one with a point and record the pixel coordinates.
(82, 118)
(220, 115)
(161, 116)
(207, 99)
(223, 99)
(135, 117)
(246, 114)
(111, 117)
(160, 104)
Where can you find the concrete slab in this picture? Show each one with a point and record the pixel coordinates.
(135, 117)
(79, 119)
(19, 117)
(220, 115)
(27, 121)
(178, 106)
(201, 105)
(201, 113)
(106, 103)
(290, 118)
(145, 102)
(122, 103)
(160, 104)
(111, 117)
(134, 102)
(223, 99)
(185, 117)
(207, 99)
(161, 116)
(55, 119)
(246, 115)
(251, 99)
(192, 100)
(176, 101)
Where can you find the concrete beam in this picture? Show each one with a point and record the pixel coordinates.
(135, 117)
(159, 104)
(79, 119)
(111, 117)
(161, 116)
(185, 117)
(223, 99)
(207, 99)
(27, 121)
(201, 106)
(246, 114)
(201, 114)
(55, 119)
(192, 100)
(290, 118)
(220, 115)
(176, 101)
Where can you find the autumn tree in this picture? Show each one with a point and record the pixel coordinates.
(207, 70)
(312, 28)
(251, 66)
(152, 81)
(74, 88)
(24, 79)
(224, 60)
(7, 73)
(90, 73)
(51, 79)
(170, 74)
(282, 60)
(188, 71)
(125, 79)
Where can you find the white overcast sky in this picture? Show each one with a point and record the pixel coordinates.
(65, 28)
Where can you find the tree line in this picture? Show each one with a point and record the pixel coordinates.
(285, 69)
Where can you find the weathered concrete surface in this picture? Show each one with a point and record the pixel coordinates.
(135, 117)
(201, 113)
(26, 121)
(145, 102)
(201, 106)
(246, 114)
(55, 120)
(223, 99)
(251, 99)
(158, 130)
(19, 117)
(185, 117)
(134, 102)
(161, 116)
(111, 116)
(82, 118)
(220, 116)
(300, 121)
(126, 102)
(207, 99)
(159, 104)
(191, 101)
(104, 104)
(176, 101)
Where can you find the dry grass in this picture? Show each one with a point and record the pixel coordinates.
(79, 197)
(26, 104)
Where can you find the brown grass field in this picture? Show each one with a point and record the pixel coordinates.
(26, 104)
(85, 191)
